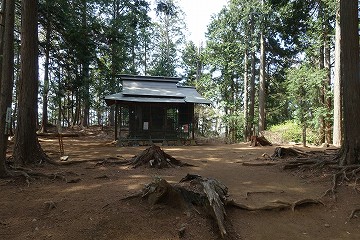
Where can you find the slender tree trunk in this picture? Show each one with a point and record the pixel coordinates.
(27, 149)
(7, 82)
(85, 68)
(246, 83)
(262, 80)
(252, 96)
(327, 87)
(262, 85)
(44, 121)
(304, 135)
(251, 84)
(321, 66)
(337, 125)
(349, 64)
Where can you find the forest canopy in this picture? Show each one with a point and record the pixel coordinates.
(254, 56)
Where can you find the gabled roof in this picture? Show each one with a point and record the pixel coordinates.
(154, 89)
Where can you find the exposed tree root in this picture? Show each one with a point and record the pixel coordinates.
(258, 163)
(208, 194)
(347, 173)
(353, 214)
(276, 205)
(259, 192)
(30, 175)
(281, 152)
(98, 161)
(319, 161)
(298, 163)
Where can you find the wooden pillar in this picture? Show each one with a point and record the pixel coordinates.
(120, 121)
(116, 121)
(193, 122)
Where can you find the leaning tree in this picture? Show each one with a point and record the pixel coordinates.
(27, 148)
(349, 64)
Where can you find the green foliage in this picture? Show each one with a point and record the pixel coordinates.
(303, 91)
(167, 39)
(92, 41)
(290, 131)
(192, 63)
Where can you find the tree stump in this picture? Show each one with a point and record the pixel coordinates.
(155, 157)
(206, 193)
(259, 141)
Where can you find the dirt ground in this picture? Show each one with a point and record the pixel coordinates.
(87, 203)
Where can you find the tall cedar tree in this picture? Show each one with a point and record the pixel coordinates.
(262, 97)
(7, 82)
(349, 64)
(337, 125)
(27, 149)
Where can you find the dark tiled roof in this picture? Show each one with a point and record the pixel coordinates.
(155, 90)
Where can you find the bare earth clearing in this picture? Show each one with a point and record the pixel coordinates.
(86, 202)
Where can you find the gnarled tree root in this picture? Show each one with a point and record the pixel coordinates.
(208, 194)
(276, 205)
(30, 175)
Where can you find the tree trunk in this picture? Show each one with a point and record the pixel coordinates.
(27, 149)
(327, 85)
(2, 29)
(85, 68)
(44, 121)
(304, 135)
(321, 67)
(262, 81)
(337, 125)
(7, 82)
(246, 83)
(349, 64)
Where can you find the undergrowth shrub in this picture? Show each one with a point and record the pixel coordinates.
(290, 132)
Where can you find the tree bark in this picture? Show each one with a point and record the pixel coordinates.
(262, 82)
(349, 64)
(85, 68)
(251, 84)
(337, 125)
(327, 85)
(44, 121)
(321, 67)
(246, 83)
(252, 96)
(7, 82)
(2, 29)
(27, 149)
